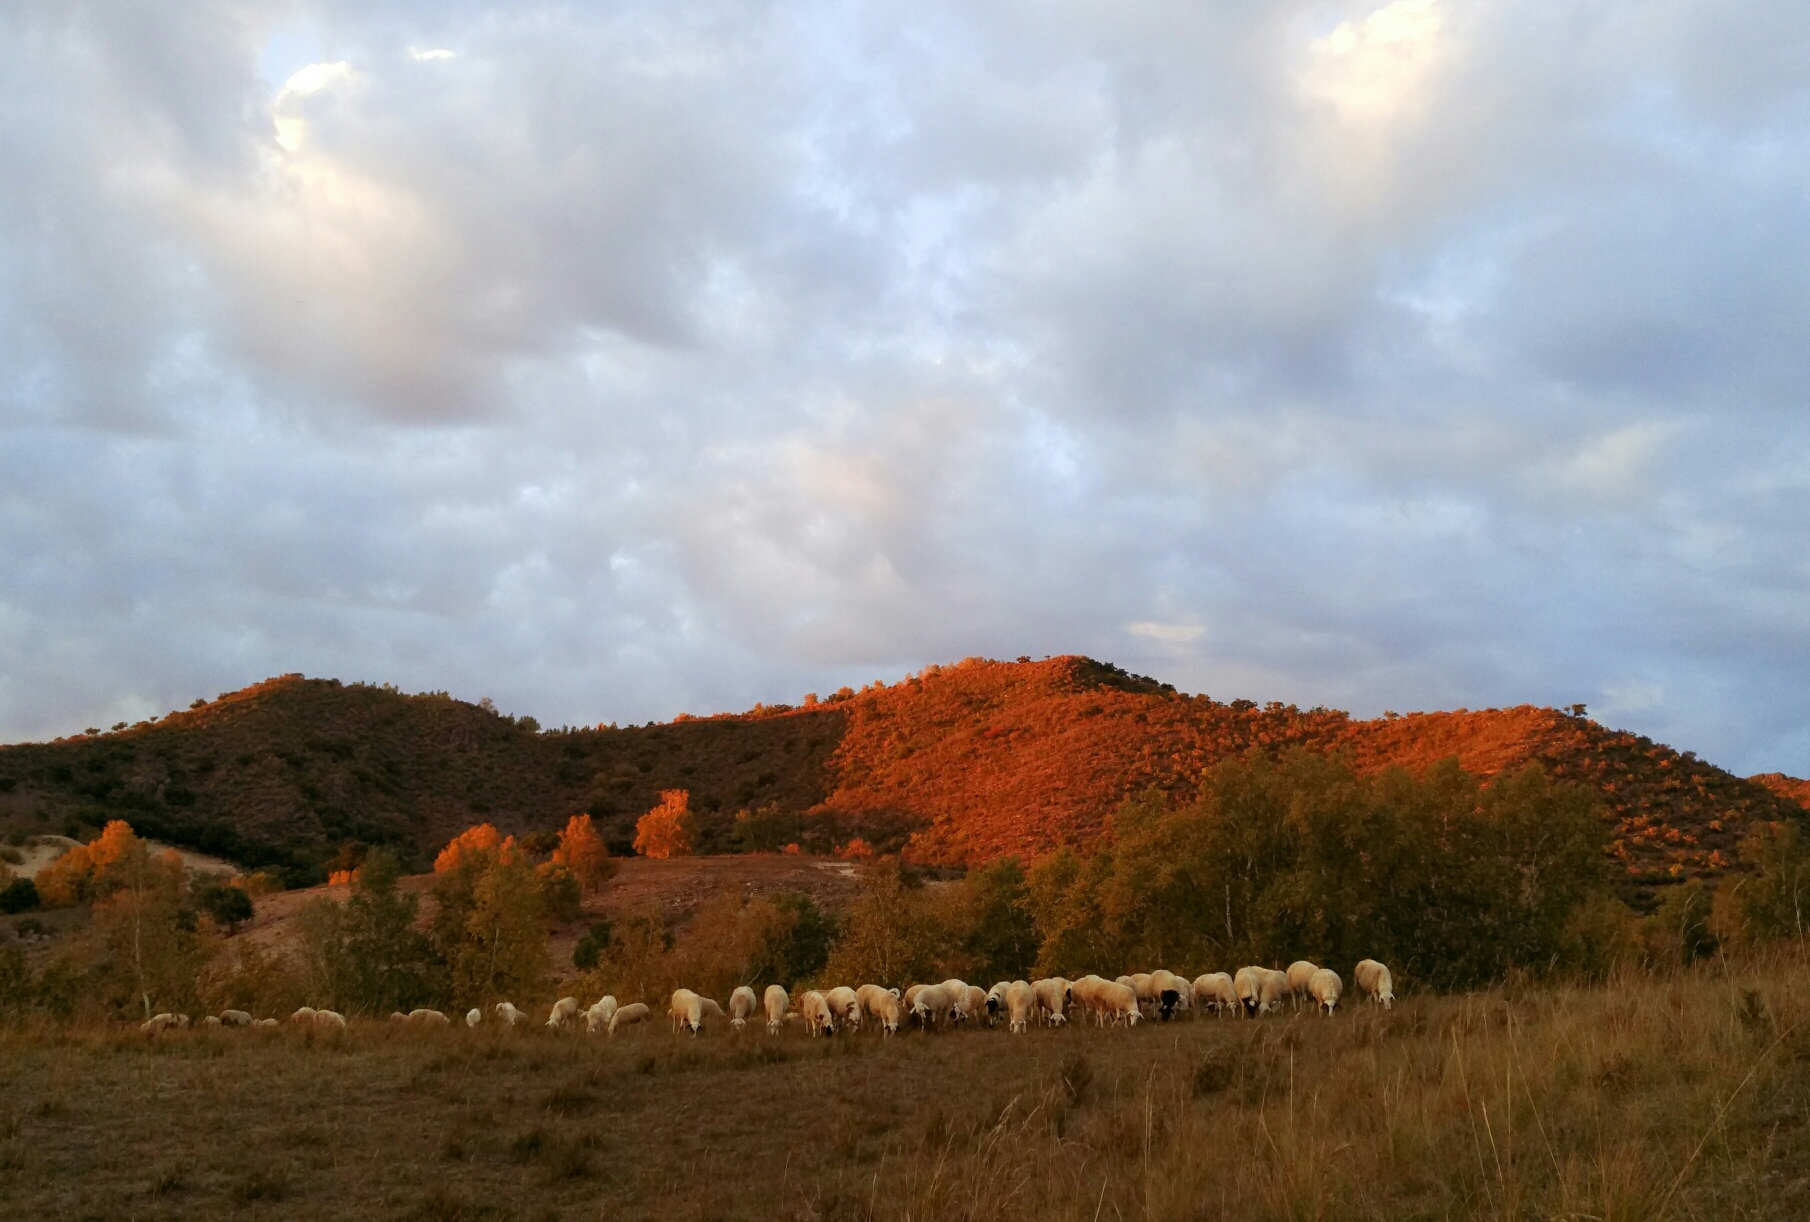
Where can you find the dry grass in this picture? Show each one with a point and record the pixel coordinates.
(1679, 1097)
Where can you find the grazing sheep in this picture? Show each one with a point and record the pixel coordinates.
(1324, 987)
(687, 1011)
(303, 1015)
(473, 1017)
(1052, 1000)
(210, 1021)
(1021, 1005)
(996, 1001)
(1167, 991)
(157, 1023)
(1272, 991)
(742, 1004)
(265, 1023)
(1214, 990)
(883, 1005)
(817, 1013)
(330, 1019)
(1249, 982)
(1106, 1000)
(564, 1012)
(397, 1016)
(634, 1012)
(507, 1014)
(976, 998)
(1300, 972)
(234, 1018)
(429, 1018)
(1374, 979)
(845, 1006)
(597, 1018)
(775, 1002)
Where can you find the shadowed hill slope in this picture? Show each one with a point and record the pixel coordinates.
(957, 764)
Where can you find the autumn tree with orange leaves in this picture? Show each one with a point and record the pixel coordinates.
(582, 851)
(666, 830)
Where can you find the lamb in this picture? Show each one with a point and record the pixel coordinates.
(742, 1004)
(884, 1005)
(1374, 979)
(845, 1006)
(1248, 983)
(428, 1018)
(1021, 1004)
(1215, 991)
(1052, 1000)
(817, 1014)
(508, 1014)
(234, 1018)
(634, 1012)
(565, 1011)
(775, 1001)
(157, 1023)
(1325, 987)
(473, 1017)
(1300, 972)
(597, 1018)
(330, 1019)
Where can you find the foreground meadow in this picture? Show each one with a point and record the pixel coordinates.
(1678, 1097)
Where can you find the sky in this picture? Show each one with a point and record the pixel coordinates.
(616, 360)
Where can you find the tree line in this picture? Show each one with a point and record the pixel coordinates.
(1456, 882)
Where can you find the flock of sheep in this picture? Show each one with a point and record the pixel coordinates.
(1253, 991)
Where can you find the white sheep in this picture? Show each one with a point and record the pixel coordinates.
(397, 1016)
(935, 1005)
(234, 1018)
(210, 1021)
(303, 1015)
(1325, 987)
(742, 1004)
(473, 1017)
(1248, 983)
(634, 1012)
(1021, 1006)
(996, 1001)
(1168, 992)
(507, 1014)
(1300, 972)
(845, 1006)
(1215, 991)
(565, 1012)
(157, 1023)
(1272, 992)
(817, 1013)
(597, 1018)
(775, 1001)
(265, 1023)
(884, 1006)
(977, 1002)
(1374, 979)
(330, 1019)
(686, 1011)
(428, 1018)
(1052, 1000)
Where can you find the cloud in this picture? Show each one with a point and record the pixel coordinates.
(668, 358)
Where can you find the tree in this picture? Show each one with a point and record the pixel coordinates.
(77, 877)
(20, 895)
(560, 893)
(1000, 939)
(365, 956)
(1773, 902)
(154, 950)
(227, 904)
(893, 935)
(666, 830)
(483, 839)
(582, 851)
(503, 952)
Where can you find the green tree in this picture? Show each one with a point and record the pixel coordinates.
(892, 935)
(227, 904)
(999, 940)
(1773, 902)
(365, 956)
(502, 953)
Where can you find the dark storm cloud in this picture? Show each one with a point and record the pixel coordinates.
(621, 360)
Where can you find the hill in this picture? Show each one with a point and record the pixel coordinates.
(957, 764)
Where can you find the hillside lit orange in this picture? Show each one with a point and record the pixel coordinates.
(665, 831)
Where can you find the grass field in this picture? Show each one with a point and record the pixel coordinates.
(1678, 1097)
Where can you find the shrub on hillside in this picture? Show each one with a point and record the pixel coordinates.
(365, 956)
(580, 849)
(1773, 902)
(227, 904)
(20, 895)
